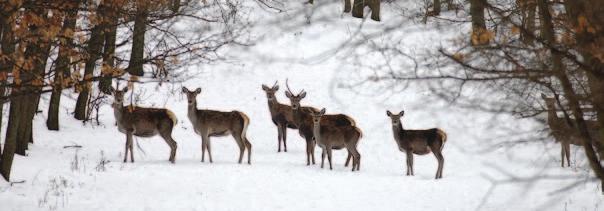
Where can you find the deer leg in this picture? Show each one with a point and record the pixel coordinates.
(411, 164)
(241, 145)
(208, 147)
(308, 145)
(562, 154)
(204, 139)
(323, 154)
(409, 157)
(126, 150)
(328, 147)
(348, 160)
(248, 145)
(284, 134)
(129, 145)
(279, 137)
(171, 143)
(441, 160)
(312, 151)
(567, 152)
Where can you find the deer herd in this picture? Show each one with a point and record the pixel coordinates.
(328, 131)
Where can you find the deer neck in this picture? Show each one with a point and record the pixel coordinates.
(118, 110)
(399, 132)
(272, 104)
(316, 130)
(552, 117)
(192, 111)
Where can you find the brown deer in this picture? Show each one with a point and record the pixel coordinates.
(330, 137)
(281, 115)
(419, 142)
(209, 123)
(303, 120)
(143, 122)
(564, 132)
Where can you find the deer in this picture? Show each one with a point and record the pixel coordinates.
(211, 123)
(419, 142)
(303, 120)
(330, 137)
(281, 115)
(564, 132)
(143, 122)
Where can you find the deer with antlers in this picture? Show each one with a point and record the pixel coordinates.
(303, 120)
(281, 115)
(143, 122)
(419, 142)
(330, 137)
(210, 123)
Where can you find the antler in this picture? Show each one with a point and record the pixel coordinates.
(288, 89)
(287, 85)
(275, 83)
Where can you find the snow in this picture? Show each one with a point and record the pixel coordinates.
(476, 175)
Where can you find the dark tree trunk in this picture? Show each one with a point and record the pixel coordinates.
(347, 6)
(62, 65)
(479, 27)
(95, 44)
(135, 67)
(37, 54)
(586, 40)
(559, 71)
(10, 142)
(359, 5)
(109, 50)
(436, 7)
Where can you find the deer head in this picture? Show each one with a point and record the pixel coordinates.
(395, 118)
(191, 95)
(270, 92)
(294, 99)
(316, 116)
(118, 95)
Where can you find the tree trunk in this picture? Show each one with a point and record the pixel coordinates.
(10, 142)
(63, 62)
(559, 71)
(436, 6)
(479, 27)
(95, 43)
(109, 50)
(585, 41)
(135, 66)
(358, 7)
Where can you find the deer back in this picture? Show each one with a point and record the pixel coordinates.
(218, 123)
(145, 122)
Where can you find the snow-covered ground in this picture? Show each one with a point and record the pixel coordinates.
(478, 175)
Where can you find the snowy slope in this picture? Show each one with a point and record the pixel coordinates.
(525, 177)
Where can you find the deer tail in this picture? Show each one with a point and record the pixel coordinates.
(359, 131)
(246, 122)
(443, 137)
(172, 117)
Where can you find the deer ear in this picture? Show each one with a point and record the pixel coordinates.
(198, 90)
(276, 87)
(401, 113)
(543, 96)
(303, 95)
(264, 87)
(388, 113)
(185, 90)
(125, 89)
(288, 94)
(322, 111)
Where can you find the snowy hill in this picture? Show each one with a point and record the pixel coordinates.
(476, 175)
